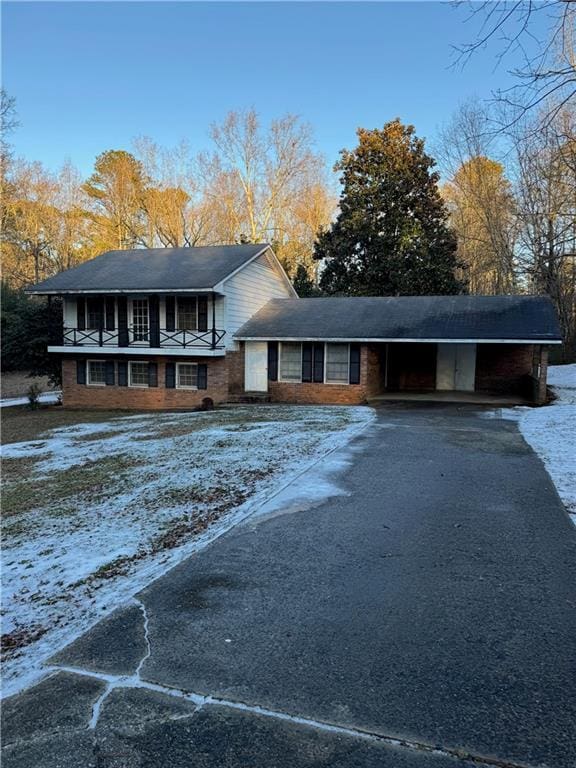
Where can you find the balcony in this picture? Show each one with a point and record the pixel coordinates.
(138, 340)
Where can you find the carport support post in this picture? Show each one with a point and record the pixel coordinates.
(541, 373)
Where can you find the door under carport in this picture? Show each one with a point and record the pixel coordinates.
(456, 367)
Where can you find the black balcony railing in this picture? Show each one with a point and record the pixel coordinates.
(139, 336)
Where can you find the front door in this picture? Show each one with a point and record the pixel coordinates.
(256, 366)
(456, 367)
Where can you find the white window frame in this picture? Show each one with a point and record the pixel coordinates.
(130, 382)
(102, 302)
(338, 383)
(177, 323)
(133, 339)
(281, 350)
(95, 383)
(183, 386)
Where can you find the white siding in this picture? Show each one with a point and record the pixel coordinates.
(248, 291)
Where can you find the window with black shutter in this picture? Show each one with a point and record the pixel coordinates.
(110, 314)
(110, 373)
(81, 371)
(152, 374)
(306, 362)
(354, 364)
(122, 322)
(202, 313)
(202, 376)
(94, 313)
(122, 373)
(272, 361)
(170, 313)
(170, 375)
(80, 313)
(318, 363)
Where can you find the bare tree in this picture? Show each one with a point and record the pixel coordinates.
(547, 75)
(261, 169)
(176, 209)
(480, 200)
(29, 253)
(546, 199)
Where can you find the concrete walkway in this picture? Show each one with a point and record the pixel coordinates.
(425, 619)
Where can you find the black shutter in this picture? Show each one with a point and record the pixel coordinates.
(202, 313)
(170, 313)
(122, 322)
(122, 373)
(81, 313)
(354, 364)
(154, 308)
(110, 319)
(110, 373)
(307, 362)
(170, 375)
(152, 374)
(318, 365)
(272, 361)
(202, 376)
(81, 371)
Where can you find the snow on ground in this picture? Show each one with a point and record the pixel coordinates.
(46, 398)
(550, 430)
(94, 511)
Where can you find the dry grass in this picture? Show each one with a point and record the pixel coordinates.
(16, 383)
(20, 424)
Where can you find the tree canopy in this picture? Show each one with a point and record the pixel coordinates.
(391, 236)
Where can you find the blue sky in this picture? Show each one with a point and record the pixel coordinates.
(92, 76)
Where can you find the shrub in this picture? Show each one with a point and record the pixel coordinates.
(33, 394)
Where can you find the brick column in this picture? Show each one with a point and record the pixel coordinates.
(542, 375)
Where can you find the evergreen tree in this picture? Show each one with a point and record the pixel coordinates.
(303, 283)
(391, 237)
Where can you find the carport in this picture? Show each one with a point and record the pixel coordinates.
(452, 347)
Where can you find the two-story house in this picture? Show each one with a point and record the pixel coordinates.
(154, 328)
(167, 327)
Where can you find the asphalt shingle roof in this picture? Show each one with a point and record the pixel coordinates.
(158, 269)
(406, 317)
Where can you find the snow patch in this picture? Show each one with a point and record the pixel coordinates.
(550, 430)
(192, 476)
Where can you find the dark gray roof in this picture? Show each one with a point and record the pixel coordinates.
(406, 317)
(158, 269)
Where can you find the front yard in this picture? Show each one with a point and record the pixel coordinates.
(95, 505)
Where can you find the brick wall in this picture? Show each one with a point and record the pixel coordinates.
(84, 396)
(235, 362)
(504, 368)
(331, 394)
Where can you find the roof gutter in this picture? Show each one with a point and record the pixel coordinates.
(375, 340)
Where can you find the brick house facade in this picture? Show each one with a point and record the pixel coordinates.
(166, 328)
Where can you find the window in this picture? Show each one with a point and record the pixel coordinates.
(96, 372)
(291, 362)
(337, 363)
(187, 376)
(140, 319)
(186, 318)
(94, 314)
(138, 374)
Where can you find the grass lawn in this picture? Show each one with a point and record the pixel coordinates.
(96, 504)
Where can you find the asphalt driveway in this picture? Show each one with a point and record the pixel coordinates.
(426, 618)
